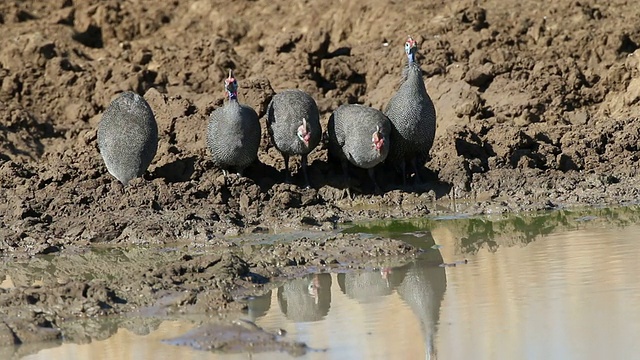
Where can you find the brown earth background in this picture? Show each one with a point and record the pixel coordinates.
(537, 108)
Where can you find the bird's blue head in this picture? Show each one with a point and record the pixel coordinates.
(411, 47)
(231, 86)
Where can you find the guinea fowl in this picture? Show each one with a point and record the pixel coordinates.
(233, 133)
(294, 126)
(128, 137)
(413, 117)
(360, 135)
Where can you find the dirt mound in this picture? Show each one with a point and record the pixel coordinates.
(536, 107)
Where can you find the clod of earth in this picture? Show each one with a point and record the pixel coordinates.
(238, 336)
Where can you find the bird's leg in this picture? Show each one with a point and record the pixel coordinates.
(345, 178)
(123, 189)
(287, 179)
(385, 274)
(372, 175)
(345, 171)
(307, 184)
(118, 186)
(403, 169)
(225, 174)
(414, 163)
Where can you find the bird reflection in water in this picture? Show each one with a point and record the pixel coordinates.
(307, 298)
(420, 285)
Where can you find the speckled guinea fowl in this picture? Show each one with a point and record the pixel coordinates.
(233, 134)
(413, 117)
(128, 137)
(360, 135)
(294, 126)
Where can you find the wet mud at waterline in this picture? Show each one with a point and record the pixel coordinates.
(537, 108)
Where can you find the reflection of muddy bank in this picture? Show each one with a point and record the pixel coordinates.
(124, 343)
(389, 310)
(81, 333)
(47, 291)
(576, 291)
(494, 303)
(466, 235)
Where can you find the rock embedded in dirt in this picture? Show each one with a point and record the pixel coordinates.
(236, 337)
(479, 76)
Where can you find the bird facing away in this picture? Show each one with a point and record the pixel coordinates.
(360, 135)
(233, 133)
(413, 117)
(128, 137)
(294, 126)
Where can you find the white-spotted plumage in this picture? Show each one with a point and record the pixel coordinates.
(413, 117)
(359, 135)
(128, 137)
(293, 122)
(233, 133)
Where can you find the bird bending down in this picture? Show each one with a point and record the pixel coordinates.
(294, 126)
(413, 118)
(233, 133)
(128, 137)
(359, 135)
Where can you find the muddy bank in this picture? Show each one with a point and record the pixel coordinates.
(39, 296)
(534, 112)
(47, 299)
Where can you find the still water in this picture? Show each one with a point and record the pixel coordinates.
(560, 285)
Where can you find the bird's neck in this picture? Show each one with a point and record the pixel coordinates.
(411, 58)
(233, 96)
(413, 72)
(412, 80)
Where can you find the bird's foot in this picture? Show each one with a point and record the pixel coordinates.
(346, 193)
